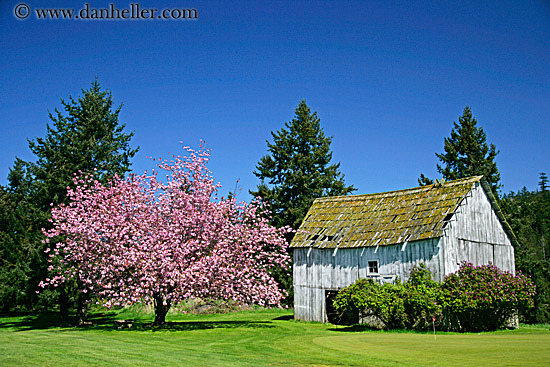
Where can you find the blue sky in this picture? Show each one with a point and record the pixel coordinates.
(387, 78)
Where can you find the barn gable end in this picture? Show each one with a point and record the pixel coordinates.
(382, 236)
(477, 234)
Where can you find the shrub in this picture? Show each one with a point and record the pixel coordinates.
(422, 295)
(484, 297)
(346, 303)
(472, 299)
(365, 298)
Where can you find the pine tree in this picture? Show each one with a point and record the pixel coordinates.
(543, 183)
(298, 169)
(528, 213)
(467, 154)
(20, 237)
(86, 138)
(423, 180)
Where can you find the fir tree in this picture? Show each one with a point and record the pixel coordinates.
(423, 180)
(528, 213)
(21, 252)
(543, 183)
(467, 153)
(88, 138)
(298, 169)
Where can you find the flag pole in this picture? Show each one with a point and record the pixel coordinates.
(433, 322)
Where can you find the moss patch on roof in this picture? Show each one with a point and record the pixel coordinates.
(384, 218)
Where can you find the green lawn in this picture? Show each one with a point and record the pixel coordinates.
(257, 338)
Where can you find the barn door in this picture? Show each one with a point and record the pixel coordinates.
(330, 313)
(331, 316)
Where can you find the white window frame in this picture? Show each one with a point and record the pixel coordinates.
(369, 267)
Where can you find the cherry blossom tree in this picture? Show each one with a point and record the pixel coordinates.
(142, 239)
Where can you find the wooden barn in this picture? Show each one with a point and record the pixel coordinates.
(382, 236)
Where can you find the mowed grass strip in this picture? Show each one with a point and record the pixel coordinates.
(257, 338)
(512, 348)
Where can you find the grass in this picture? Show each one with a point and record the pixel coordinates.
(255, 338)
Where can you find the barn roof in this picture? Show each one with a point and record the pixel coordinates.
(387, 218)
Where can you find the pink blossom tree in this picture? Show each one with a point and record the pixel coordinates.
(143, 240)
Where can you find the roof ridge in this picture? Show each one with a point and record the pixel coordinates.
(456, 182)
(383, 218)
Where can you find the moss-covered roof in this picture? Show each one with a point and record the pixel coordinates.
(383, 219)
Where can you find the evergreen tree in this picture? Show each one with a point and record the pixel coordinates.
(467, 154)
(298, 169)
(543, 183)
(20, 236)
(528, 213)
(423, 180)
(87, 137)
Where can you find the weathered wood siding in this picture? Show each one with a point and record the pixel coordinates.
(475, 234)
(319, 270)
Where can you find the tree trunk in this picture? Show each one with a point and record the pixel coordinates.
(161, 310)
(63, 307)
(81, 310)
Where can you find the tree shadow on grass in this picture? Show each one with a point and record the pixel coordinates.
(354, 328)
(110, 321)
(45, 320)
(182, 326)
(49, 320)
(285, 317)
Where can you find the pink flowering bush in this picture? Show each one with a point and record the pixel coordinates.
(475, 298)
(143, 240)
(484, 297)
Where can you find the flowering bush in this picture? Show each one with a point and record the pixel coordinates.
(472, 299)
(484, 297)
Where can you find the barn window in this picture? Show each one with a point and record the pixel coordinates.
(373, 267)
